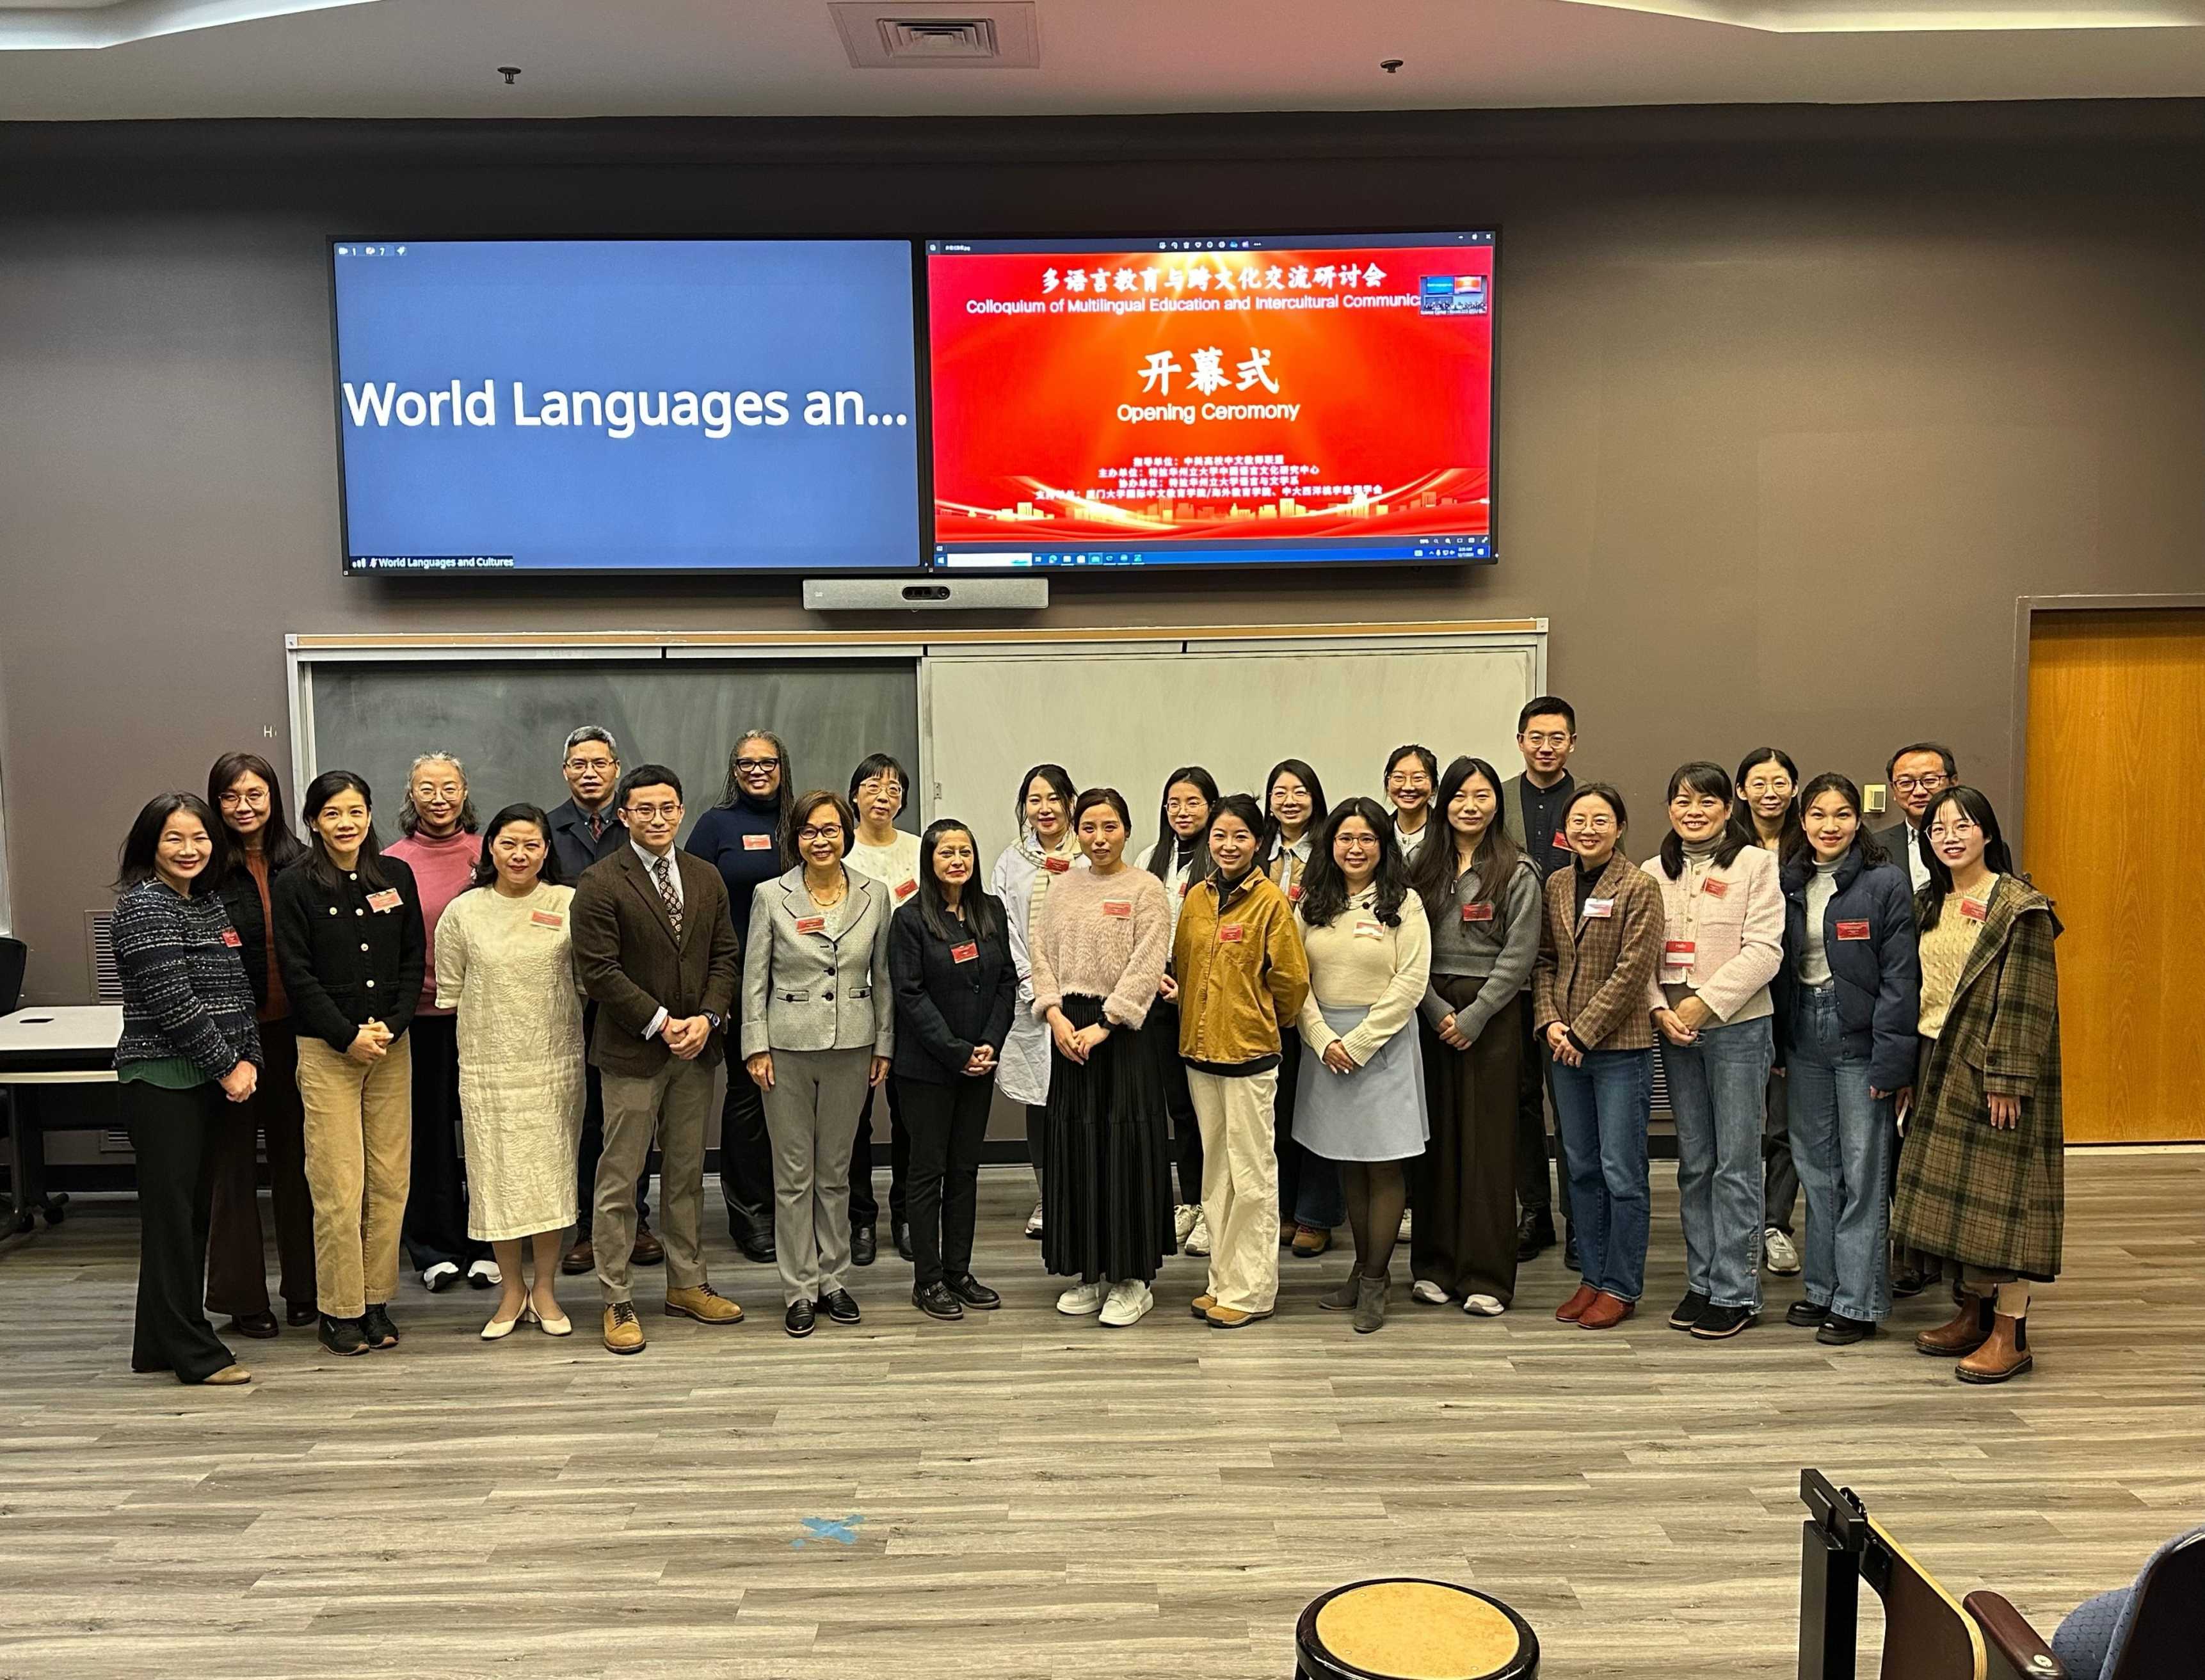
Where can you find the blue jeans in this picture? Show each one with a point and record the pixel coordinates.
(1718, 1093)
(1843, 1140)
(1602, 1111)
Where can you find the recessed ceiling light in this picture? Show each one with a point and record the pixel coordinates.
(26, 26)
(1812, 17)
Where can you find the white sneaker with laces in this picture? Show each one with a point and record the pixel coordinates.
(1129, 1304)
(1429, 1293)
(1183, 1219)
(1196, 1243)
(1485, 1306)
(1033, 1221)
(1407, 1215)
(1782, 1254)
(1080, 1300)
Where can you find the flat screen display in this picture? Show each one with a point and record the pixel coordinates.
(616, 406)
(1298, 399)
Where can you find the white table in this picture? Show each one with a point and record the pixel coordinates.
(71, 1044)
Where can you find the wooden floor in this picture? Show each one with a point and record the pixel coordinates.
(1026, 1495)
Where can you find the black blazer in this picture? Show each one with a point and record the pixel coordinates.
(571, 843)
(345, 958)
(946, 1008)
(240, 896)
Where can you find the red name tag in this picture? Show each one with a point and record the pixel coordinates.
(1678, 952)
(1714, 888)
(1118, 907)
(230, 938)
(1370, 930)
(1294, 895)
(965, 953)
(1974, 910)
(388, 899)
(906, 890)
(1056, 865)
(811, 924)
(1477, 912)
(1852, 930)
(1561, 840)
(757, 842)
(547, 918)
(1233, 934)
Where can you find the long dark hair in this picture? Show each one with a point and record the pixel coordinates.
(1324, 888)
(1701, 777)
(485, 873)
(1788, 833)
(1866, 846)
(319, 792)
(983, 914)
(782, 789)
(1267, 847)
(1975, 806)
(1060, 783)
(142, 847)
(279, 847)
(1432, 870)
(1168, 847)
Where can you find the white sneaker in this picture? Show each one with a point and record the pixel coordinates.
(1405, 1215)
(440, 1277)
(1429, 1293)
(1485, 1306)
(1080, 1300)
(1196, 1243)
(1183, 1219)
(1033, 1221)
(485, 1275)
(1129, 1304)
(1782, 1255)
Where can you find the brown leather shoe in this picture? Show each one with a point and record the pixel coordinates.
(648, 1249)
(1231, 1318)
(582, 1257)
(1573, 1308)
(704, 1303)
(1967, 1330)
(623, 1329)
(1606, 1312)
(1310, 1242)
(2003, 1354)
(1201, 1304)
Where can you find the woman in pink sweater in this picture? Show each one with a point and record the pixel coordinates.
(1098, 947)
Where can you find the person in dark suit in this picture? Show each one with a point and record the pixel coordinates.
(1917, 774)
(658, 956)
(949, 960)
(584, 830)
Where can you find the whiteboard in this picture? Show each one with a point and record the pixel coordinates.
(1126, 717)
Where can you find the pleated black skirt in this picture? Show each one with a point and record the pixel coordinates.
(1106, 1202)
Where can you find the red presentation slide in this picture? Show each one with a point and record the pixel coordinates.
(1299, 399)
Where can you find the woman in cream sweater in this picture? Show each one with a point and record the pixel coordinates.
(1361, 1097)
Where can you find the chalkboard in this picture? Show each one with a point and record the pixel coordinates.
(507, 722)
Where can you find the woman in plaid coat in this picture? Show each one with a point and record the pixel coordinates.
(1979, 1181)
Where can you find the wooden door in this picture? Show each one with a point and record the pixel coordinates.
(2116, 783)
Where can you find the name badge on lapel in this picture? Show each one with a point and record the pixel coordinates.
(1973, 909)
(1714, 888)
(1120, 908)
(1294, 894)
(388, 899)
(1561, 841)
(966, 952)
(811, 924)
(1477, 912)
(230, 938)
(757, 842)
(547, 918)
(1852, 930)
(1056, 865)
(1599, 910)
(906, 890)
(1231, 934)
(1678, 952)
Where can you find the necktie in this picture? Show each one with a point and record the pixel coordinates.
(664, 869)
(597, 827)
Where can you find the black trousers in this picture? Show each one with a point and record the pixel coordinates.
(593, 1145)
(745, 1152)
(237, 1259)
(864, 1207)
(1163, 1027)
(1534, 1190)
(172, 1133)
(435, 1228)
(947, 1126)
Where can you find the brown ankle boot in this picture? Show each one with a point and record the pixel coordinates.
(2005, 1354)
(1969, 1329)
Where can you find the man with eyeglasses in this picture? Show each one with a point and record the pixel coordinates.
(1532, 808)
(1917, 774)
(584, 830)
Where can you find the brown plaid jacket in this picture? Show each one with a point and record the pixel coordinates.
(1991, 1199)
(1592, 972)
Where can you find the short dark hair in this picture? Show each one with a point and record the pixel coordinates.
(799, 812)
(142, 847)
(647, 775)
(871, 766)
(1944, 752)
(1546, 705)
(1422, 754)
(1606, 793)
(1101, 796)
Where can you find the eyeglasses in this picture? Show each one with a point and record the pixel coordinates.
(877, 784)
(1959, 828)
(1584, 824)
(672, 812)
(756, 767)
(232, 801)
(437, 790)
(578, 765)
(821, 831)
(1544, 738)
(1760, 785)
(1928, 784)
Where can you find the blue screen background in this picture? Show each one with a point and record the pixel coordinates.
(793, 315)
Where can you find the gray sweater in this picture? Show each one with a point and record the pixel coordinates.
(1492, 936)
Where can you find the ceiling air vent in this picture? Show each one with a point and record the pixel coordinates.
(1005, 36)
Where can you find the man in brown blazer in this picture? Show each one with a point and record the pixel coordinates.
(658, 957)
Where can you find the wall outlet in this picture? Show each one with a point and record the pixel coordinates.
(1876, 796)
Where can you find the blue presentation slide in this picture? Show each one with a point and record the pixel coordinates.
(619, 406)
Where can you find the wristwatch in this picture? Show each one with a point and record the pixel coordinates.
(716, 1021)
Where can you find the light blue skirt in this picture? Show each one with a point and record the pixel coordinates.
(1375, 1113)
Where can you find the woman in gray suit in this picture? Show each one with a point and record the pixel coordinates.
(817, 1026)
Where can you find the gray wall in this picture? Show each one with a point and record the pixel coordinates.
(1793, 402)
